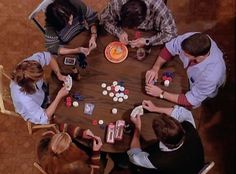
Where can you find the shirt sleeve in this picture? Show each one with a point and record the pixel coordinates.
(181, 114)
(164, 24)
(110, 17)
(95, 162)
(140, 158)
(44, 58)
(52, 41)
(200, 91)
(32, 112)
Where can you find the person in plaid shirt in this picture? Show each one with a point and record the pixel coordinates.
(145, 15)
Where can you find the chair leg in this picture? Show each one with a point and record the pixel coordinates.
(39, 168)
(29, 126)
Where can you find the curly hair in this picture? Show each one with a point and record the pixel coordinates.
(26, 74)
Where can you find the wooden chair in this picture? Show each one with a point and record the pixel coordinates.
(40, 8)
(207, 167)
(3, 110)
(37, 166)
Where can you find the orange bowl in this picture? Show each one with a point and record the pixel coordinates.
(116, 52)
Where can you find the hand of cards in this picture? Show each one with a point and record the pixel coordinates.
(68, 83)
(137, 111)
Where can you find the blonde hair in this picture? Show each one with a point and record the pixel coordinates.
(26, 74)
(60, 142)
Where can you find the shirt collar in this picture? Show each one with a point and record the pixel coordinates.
(166, 149)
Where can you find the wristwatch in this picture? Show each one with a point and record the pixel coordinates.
(162, 95)
(147, 42)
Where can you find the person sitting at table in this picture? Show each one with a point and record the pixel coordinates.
(148, 15)
(57, 154)
(28, 88)
(178, 148)
(64, 20)
(205, 67)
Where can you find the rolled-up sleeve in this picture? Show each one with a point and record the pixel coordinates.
(44, 58)
(139, 158)
(182, 114)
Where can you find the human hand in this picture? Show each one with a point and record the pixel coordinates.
(148, 105)
(137, 121)
(63, 92)
(92, 43)
(88, 134)
(84, 50)
(123, 38)
(153, 90)
(151, 75)
(140, 42)
(61, 77)
(97, 143)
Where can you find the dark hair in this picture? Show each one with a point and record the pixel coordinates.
(58, 13)
(133, 13)
(26, 74)
(169, 131)
(198, 44)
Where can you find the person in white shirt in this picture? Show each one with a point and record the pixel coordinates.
(27, 88)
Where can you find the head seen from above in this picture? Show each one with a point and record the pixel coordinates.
(169, 131)
(197, 46)
(60, 142)
(26, 74)
(133, 13)
(60, 13)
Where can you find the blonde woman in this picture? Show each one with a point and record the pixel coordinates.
(57, 153)
(27, 90)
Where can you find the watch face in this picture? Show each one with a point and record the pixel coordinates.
(147, 42)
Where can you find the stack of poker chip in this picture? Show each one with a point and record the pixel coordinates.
(116, 91)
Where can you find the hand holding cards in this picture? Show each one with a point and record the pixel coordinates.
(137, 111)
(68, 83)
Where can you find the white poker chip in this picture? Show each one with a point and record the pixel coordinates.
(166, 83)
(122, 94)
(111, 94)
(100, 122)
(114, 111)
(115, 99)
(125, 97)
(104, 92)
(120, 99)
(117, 88)
(122, 88)
(117, 94)
(75, 104)
(103, 85)
(115, 83)
(109, 88)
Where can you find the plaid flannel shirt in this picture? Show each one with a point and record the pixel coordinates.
(158, 18)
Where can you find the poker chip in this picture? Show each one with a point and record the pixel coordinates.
(166, 83)
(75, 104)
(115, 99)
(122, 88)
(126, 91)
(103, 85)
(125, 97)
(117, 94)
(120, 99)
(100, 122)
(94, 122)
(114, 111)
(115, 83)
(111, 94)
(109, 88)
(117, 88)
(104, 92)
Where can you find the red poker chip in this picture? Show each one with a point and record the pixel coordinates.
(169, 78)
(126, 91)
(94, 122)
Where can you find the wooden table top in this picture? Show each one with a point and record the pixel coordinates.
(100, 70)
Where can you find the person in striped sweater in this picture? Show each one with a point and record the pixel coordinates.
(57, 154)
(65, 19)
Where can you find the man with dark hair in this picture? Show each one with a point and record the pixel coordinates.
(205, 67)
(145, 15)
(178, 148)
